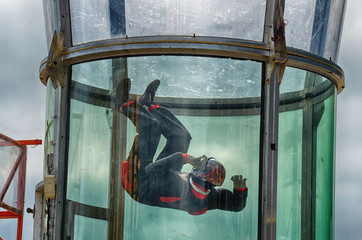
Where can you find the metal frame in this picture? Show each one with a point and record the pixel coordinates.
(56, 209)
(199, 46)
(20, 167)
(210, 107)
(289, 101)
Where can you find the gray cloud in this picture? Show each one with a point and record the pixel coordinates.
(348, 210)
(22, 96)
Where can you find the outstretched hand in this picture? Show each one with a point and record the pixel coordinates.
(197, 162)
(239, 181)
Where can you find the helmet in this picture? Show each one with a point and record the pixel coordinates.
(213, 172)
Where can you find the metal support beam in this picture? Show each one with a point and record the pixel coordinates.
(56, 208)
(61, 136)
(119, 129)
(269, 159)
(273, 74)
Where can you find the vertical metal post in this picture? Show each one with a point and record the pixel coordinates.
(273, 73)
(307, 174)
(61, 134)
(119, 71)
(269, 159)
(119, 127)
(272, 153)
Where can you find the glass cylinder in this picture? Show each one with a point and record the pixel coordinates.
(228, 89)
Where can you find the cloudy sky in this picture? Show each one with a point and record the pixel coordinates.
(22, 105)
(22, 96)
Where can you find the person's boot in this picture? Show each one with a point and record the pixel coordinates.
(149, 94)
(127, 107)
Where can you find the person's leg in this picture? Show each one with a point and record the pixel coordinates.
(149, 132)
(177, 136)
(148, 140)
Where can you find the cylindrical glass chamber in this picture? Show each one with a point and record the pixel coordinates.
(263, 109)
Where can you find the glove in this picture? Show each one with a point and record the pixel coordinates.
(197, 162)
(239, 181)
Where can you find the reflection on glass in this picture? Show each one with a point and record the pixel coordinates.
(293, 80)
(181, 76)
(196, 77)
(230, 18)
(314, 26)
(97, 20)
(94, 74)
(299, 15)
(89, 154)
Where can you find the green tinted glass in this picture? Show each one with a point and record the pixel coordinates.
(306, 158)
(289, 175)
(100, 138)
(324, 194)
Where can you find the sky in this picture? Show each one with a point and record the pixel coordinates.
(22, 105)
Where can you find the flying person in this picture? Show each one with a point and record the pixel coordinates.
(161, 182)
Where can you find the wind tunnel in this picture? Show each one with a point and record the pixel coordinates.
(254, 82)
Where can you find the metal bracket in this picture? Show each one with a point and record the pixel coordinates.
(55, 66)
(277, 45)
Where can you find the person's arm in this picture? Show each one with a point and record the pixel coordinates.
(162, 166)
(225, 199)
(175, 162)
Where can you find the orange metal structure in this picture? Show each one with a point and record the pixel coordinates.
(13, 158)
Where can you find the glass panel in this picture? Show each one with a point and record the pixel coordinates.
(232, 140)
(225, 130)
(90, 20)
(309, 24)
(96, 20)
(8, 228)
(51, 19)
(334, 31)
(49, 129)
(289, 175)
(89, 154)
(305, 157)
(11, 196)
(196, 77)
(293, 80)
(186, 77)
(94, 74)
(325, 172)
(8, 156)
(299, 14)
(89, 228)
(230, 18)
